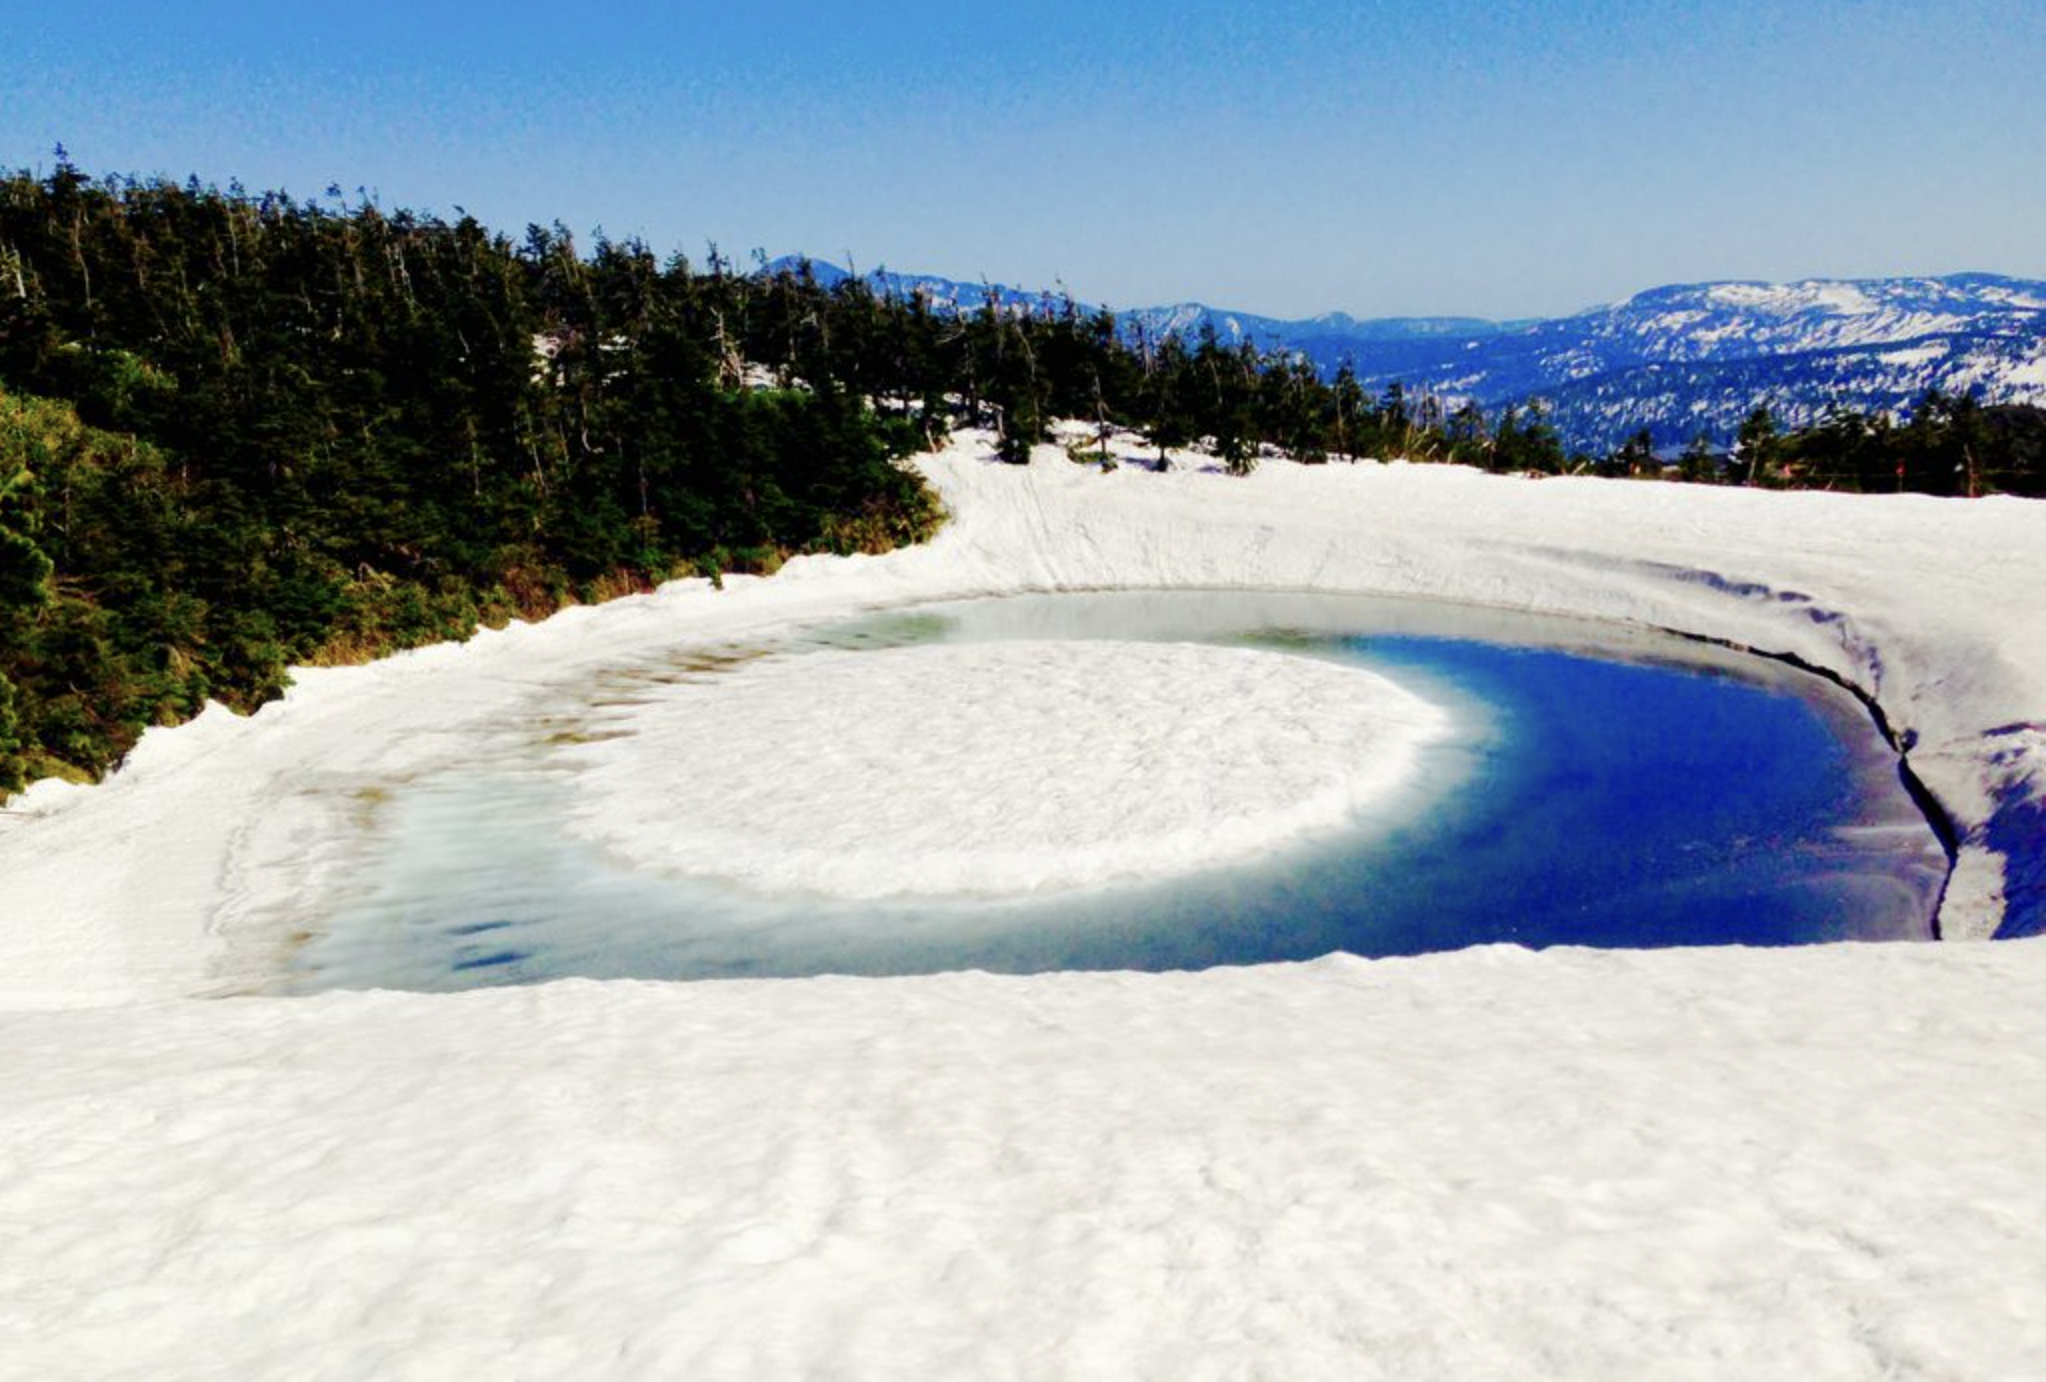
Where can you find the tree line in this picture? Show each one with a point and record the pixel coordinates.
(240, 430)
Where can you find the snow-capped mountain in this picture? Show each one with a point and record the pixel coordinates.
(1685, 359)
(1676, 400)
(1677, 360)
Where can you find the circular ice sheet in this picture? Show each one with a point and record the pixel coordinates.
(996, 768)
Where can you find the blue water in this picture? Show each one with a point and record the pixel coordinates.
(1607, 788)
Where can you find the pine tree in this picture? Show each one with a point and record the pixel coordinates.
(1636, 457)
(1755, 445)
(1167, 400)
(24, 588)
(1699, 464)
(1346, 406)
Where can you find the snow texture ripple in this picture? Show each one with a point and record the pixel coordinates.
(1806, 1165)
(997, 768)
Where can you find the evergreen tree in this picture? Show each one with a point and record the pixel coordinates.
(1345, 411)
(24, 590)
(24, 568)
(1755, 446)
(1635, 458)
(1167, 400)
(1699, 464)
(1469, 437)
(1395, 423)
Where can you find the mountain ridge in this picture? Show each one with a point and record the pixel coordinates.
(1678, 360)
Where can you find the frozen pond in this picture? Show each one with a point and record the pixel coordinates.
(1601, 787)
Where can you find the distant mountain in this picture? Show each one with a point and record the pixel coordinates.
(1677, 360)
(1676, 400)
(1183, 319)
(1685, 359)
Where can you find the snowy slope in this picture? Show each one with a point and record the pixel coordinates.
(1677, 400)
(1688, 359)
(1802, 1165)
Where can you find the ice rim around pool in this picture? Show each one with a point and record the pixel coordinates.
(692, 689)
(143, 887)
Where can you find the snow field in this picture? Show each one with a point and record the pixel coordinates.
(1811, 1165)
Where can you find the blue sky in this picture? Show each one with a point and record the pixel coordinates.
(1497, 159)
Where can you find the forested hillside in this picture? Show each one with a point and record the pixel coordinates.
(240, 431)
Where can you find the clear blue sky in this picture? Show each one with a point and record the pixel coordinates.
(1501, 159)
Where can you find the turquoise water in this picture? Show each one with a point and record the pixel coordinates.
(1607, 788)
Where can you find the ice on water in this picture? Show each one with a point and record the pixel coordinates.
(991, 768)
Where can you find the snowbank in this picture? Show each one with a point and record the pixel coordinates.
(996, 768)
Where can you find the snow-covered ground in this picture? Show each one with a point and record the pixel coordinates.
(1810, 1166)
(1804, 1164)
